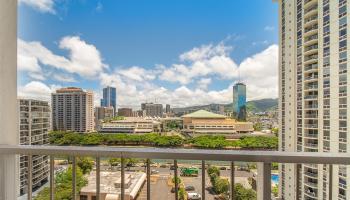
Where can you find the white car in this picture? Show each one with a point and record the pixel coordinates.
(193, 196)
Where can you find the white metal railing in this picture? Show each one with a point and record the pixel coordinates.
(265, 158)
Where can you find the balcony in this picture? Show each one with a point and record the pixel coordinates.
(263, 158)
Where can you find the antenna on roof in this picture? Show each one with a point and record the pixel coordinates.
(239, 76)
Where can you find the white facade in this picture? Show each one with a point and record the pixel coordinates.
(34, 127)
(313, 94)
(8, 97)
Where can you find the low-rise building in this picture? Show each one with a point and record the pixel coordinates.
(103, 113)
(110, 186)
(204, 122)
(131, 125)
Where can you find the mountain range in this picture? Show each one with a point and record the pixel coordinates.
(260, 105)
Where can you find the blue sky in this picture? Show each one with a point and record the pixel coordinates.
(183, 52)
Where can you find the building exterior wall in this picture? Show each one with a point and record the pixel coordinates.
(109, 98)
(126, 112)
(239, 101)
(72, 110)
(313, 94)
(34, 127)
(152, 110)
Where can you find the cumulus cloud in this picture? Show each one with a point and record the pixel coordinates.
(201, 66)
(138, 73)
(45, 6)
(37, 90)
(203, 61)
(83, 59)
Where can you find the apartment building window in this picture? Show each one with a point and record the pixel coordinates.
(342, 56)
(342, 11)
(342, 22)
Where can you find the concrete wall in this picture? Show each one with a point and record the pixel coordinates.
(8, 96)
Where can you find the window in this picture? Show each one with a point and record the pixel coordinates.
(342, 22)
(342, 44)
(83, 197)
(342, 56)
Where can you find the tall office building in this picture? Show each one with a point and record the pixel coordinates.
(239, 101)
(152, 109)
(167, 108)
(72, 110)
(109, 98)
(313, 95)
(34, 127)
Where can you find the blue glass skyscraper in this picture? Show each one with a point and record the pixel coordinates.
(239, 102)
(109, 97)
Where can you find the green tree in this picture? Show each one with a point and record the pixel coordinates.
(242, 193)
(85, 164)
(114, 161)
(63, 187)
(222, 186)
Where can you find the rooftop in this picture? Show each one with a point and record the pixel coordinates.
(204, 114)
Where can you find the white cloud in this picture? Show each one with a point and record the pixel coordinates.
(36, 90)
(45, 6)
(137, 73)
(204, 83)
(269, 28)
(259, 72)
(64, 78)
(84, 59)
(205, 51)
(202, 66)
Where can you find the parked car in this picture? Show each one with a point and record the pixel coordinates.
(172, 167)
(163, 166)
(189, 188)
(223, 168)
(193, 196)
(153, 171)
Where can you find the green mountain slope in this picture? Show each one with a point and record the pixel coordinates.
(260, 105)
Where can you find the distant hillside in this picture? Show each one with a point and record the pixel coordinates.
(260, 105)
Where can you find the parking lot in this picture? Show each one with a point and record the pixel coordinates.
(161, 190)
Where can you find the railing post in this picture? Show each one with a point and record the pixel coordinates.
(74, 178)
(52, 177)
(264, 181)
(30, 178)
(122, 187)
(98, 178)
(203, 179)
(330, 182)
(232, 188)
(148, 179)
(176, 182)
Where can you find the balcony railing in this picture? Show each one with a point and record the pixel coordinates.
(263, 158)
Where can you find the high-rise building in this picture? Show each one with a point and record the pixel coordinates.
(72, 110)
(125, 112)
(313, 95)
(152, 109)
(109, 98)
(239, 101)
(34, 127)
(167, 108)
